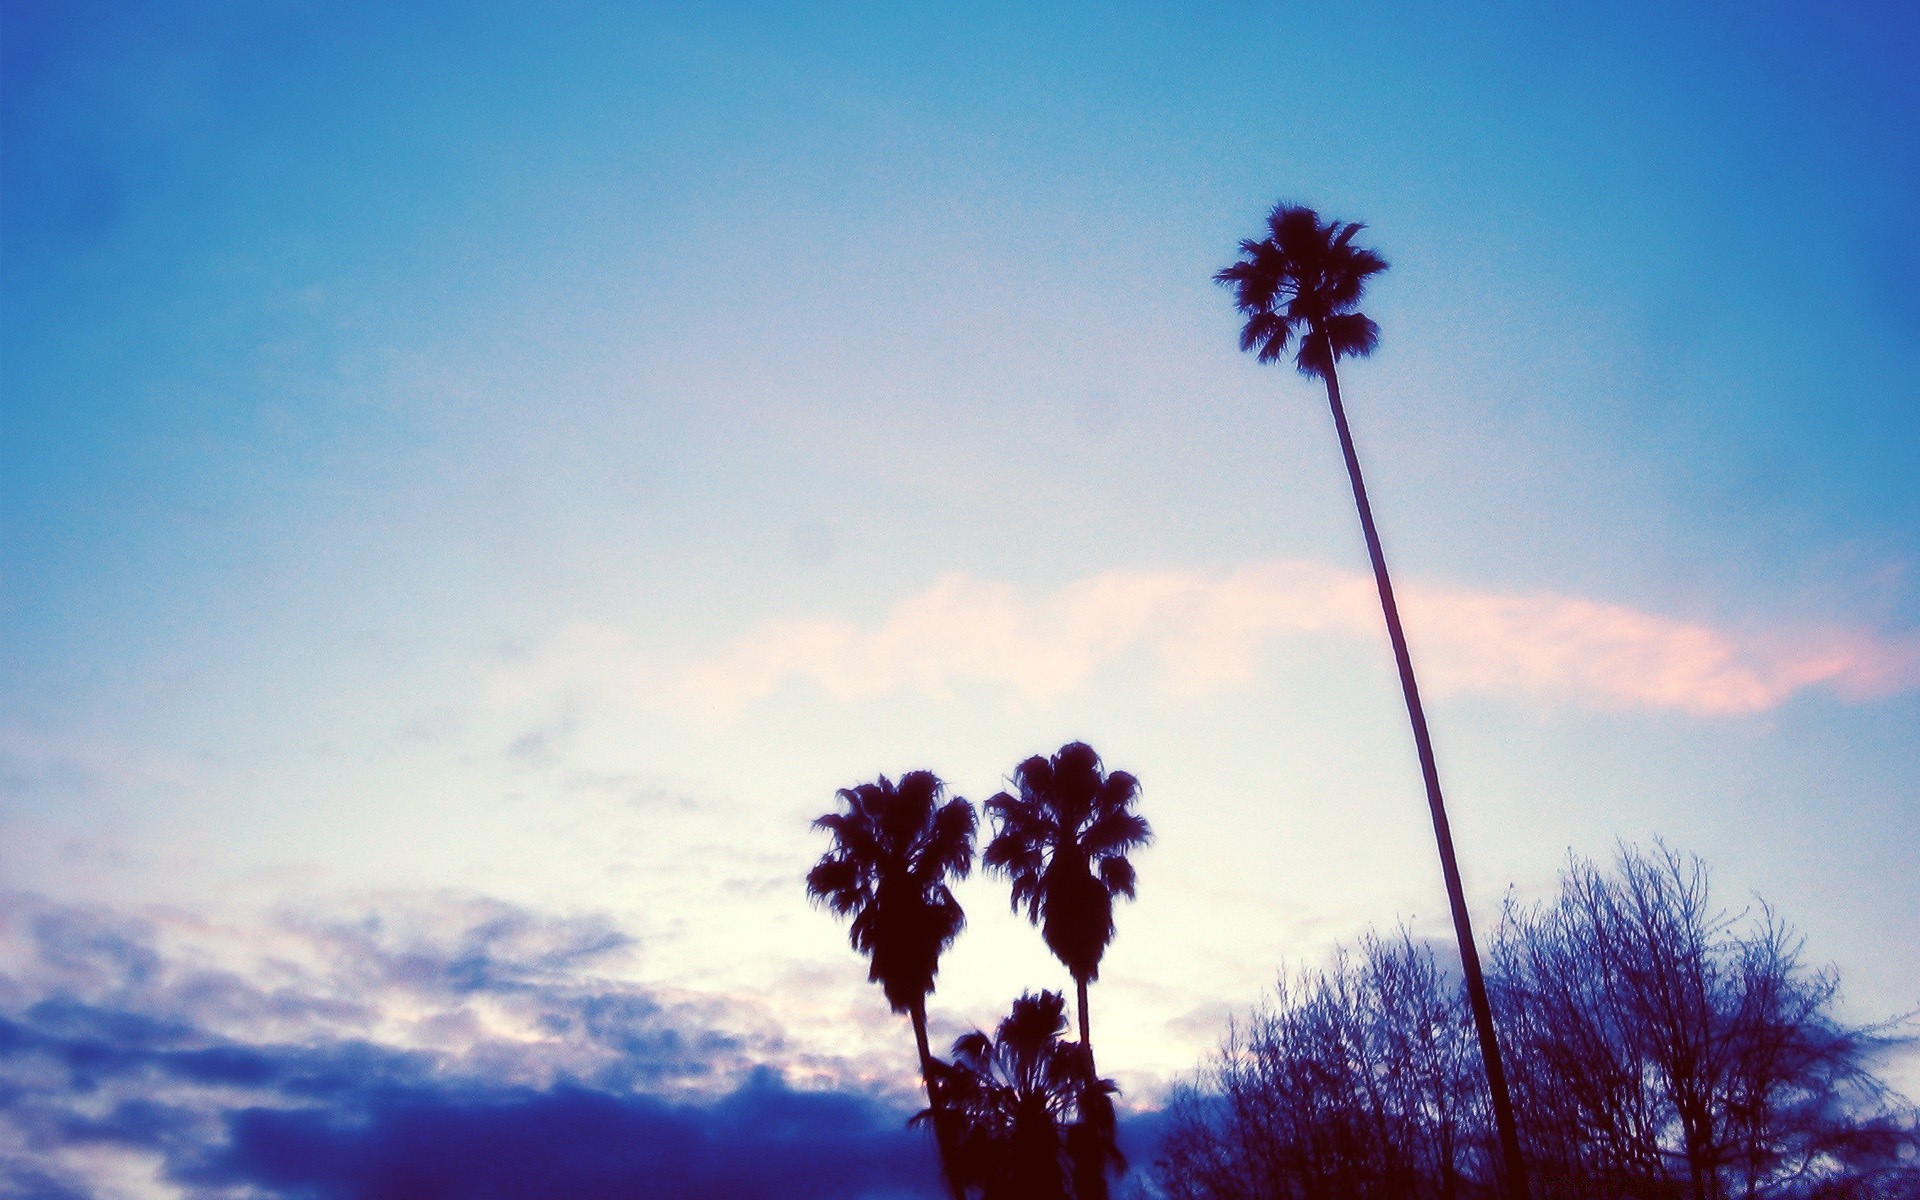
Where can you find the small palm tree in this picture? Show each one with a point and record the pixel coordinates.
(1033, 1121)
(1300, 287)
(894, 850)
(1063, 842)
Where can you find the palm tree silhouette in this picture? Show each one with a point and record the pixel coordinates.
(1063, 842)
(1302, 285)
(1034, 1123)
(894, 849)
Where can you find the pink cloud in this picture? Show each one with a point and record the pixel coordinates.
(1207, 633)
(1614, 656)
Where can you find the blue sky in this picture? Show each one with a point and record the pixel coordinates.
(538, 453)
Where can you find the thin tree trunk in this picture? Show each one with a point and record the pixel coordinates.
(1086, 1038)
(1449, 867)
(942, 1125)
(919, 1015)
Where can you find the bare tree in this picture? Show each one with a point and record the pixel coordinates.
(1358, 1081)
(1667, 1042)
(1660, 1047)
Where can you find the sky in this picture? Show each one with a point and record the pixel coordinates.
(476, 479)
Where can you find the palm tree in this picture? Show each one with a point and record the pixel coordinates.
(1033, 1121)
(1301, 285)
(1063, 842)
(894, 849)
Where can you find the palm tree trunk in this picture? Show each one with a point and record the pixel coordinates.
(1449, 867)
(1086, 1038)
(942, 1125)
(919, 1014)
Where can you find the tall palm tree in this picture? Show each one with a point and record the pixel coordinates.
(1063, 842)
(1301, 286)
(894, 849)
(1034, 1122)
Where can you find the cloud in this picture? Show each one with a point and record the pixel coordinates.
(433, 1046)
(437, 1045)
(423, 1144)
(1208, 632)
(467, 985)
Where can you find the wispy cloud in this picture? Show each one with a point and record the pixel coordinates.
(1210, 632)
(461, 983)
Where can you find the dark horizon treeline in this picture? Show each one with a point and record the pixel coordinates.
(1657, 1048)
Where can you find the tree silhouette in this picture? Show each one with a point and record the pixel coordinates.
(1656, 1037)
(894, 849)
(1033, 1121)
(1660, 1047)
(1300, 286)
(1357, 1080)
(1063, 842)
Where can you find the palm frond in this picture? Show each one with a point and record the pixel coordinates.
(948, 850)
(1346, 283)
(1295, 228)
(1116, 875)
(1024, 870)
(1364, 263)
(1115, 832)
(1119, 790)
(1029, 892)
(1265, 329)
(1275, 346)
(1010, 854)
(920, 789)
(836, 883)
(1241, 272)
(974, 1049)
(1312, 359)
(1354, 335)
(1034, 775)
(1257, 281)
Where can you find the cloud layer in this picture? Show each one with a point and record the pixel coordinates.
(1210, 632)
(445, 1047)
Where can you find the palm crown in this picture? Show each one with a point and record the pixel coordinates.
(894, 848)
(1063, 842)
(1300, 286)
(1035, 1122)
